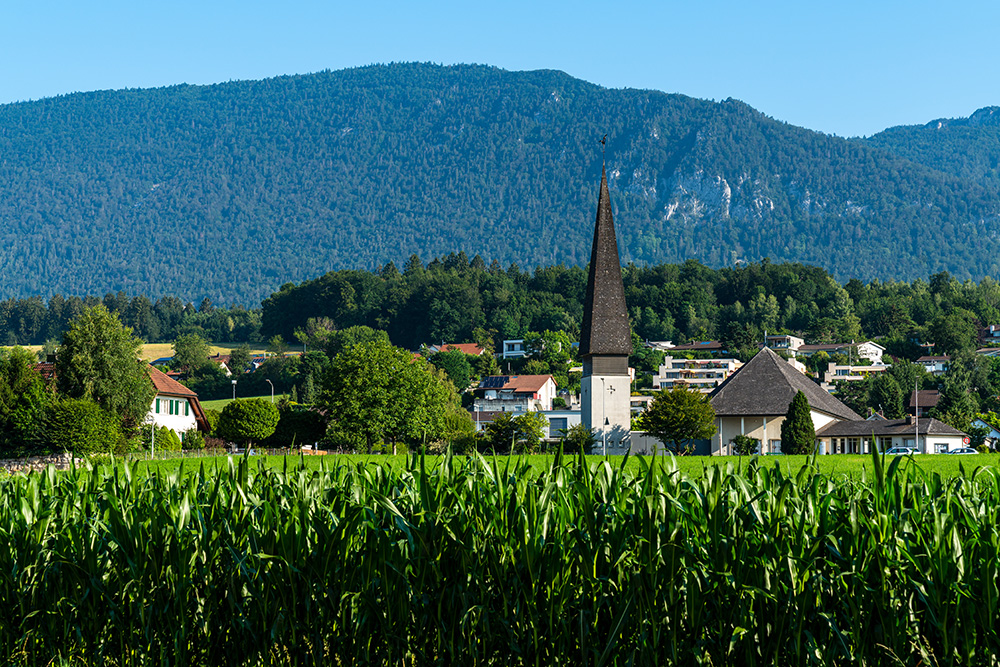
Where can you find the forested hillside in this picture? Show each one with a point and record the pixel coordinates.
(968, 148)
(228, 191)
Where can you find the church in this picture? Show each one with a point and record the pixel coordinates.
(606, 339)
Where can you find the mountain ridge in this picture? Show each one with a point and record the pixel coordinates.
(230, 190)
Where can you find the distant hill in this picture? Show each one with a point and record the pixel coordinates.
(968, 148)
(228, 191)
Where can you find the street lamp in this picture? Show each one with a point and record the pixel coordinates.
(604, 426)
(272, 389)
(234, 390)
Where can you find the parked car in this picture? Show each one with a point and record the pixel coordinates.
(895, 451)
(963, 450)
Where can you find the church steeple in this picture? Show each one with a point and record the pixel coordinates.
(605, 319)
(606, 340)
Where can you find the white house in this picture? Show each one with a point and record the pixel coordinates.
(174, 406)
(514, 393)
(935, 365)
(784, 343)
(514, 348)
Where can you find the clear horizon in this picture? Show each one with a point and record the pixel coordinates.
(851, 70)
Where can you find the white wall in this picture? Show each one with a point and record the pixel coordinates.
(609, 399)
(179, 422)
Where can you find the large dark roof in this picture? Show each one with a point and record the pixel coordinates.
(766, 386)
(886, 427)
(605, 320)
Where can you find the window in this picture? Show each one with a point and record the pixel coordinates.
(884, 443)
(557, 424)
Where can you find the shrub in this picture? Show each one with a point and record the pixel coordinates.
(166, 440)
(193, 439)
(248, 420)
(297, 425)
(212, 417)
(744, 445)
(579, 438)
(80, 426)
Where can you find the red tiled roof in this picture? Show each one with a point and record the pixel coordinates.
(168, 386)
(165, 384)
(46, 369)
(467, 348)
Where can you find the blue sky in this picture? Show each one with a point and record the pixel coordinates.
(847, 68)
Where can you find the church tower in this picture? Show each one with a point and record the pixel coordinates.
(606, 339)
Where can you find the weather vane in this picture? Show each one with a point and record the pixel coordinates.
(603, 142)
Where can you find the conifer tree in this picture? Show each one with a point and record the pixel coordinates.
(798, 435)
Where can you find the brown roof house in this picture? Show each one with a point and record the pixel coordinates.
(174, 405)
(754, 400)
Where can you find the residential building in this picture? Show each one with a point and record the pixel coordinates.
(639, 404)
(847, 373)
(920, 403)
(990, 334)
(514, 348)
(926, 435)
(713, 346)
(514, 393)
(784, 343)
(702, 375)
(174, 405)
(466, 348)
(869, 350)
(661, 345)
(935, 365)
(992, 435)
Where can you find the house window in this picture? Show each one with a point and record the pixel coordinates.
(884, 443)
(940, 447)
(854, 445)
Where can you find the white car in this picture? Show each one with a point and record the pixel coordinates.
(963, 450)
(895, 451)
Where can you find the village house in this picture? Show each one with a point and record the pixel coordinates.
(935, 365)
(514, 393)
(174, 406)
(924, 434)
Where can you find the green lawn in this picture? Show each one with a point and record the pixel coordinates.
(220, 403)
(840, 465)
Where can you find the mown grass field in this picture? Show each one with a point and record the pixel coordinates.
(220, 403)
(152, 351)
(834, 466)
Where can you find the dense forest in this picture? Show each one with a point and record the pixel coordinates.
(228, 191)
(447, 299)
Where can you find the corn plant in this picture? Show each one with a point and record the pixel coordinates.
(480, 561)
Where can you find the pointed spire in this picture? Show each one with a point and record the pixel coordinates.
(605, 319)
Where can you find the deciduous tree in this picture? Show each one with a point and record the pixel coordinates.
(98, 360)
(679, 416)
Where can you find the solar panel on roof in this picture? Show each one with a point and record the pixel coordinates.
(495, 381)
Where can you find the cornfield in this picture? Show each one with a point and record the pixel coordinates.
(483, 562)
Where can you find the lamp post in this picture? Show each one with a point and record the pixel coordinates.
(604, 426)
(234, 390)
(272, 389)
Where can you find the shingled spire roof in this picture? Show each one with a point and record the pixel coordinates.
(605, 328)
